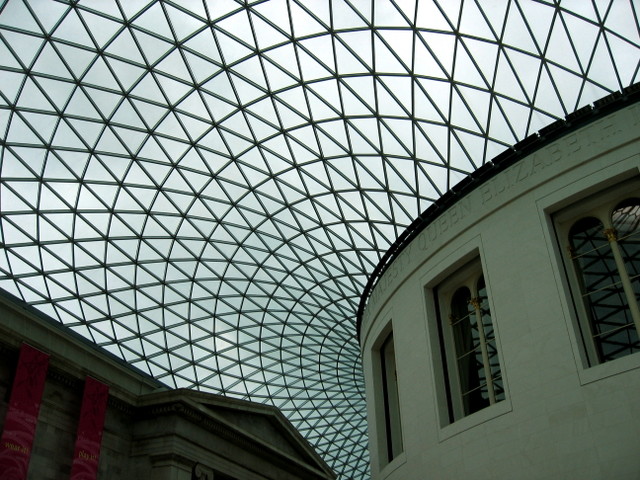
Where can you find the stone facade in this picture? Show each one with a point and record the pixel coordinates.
(150, 432)
(561, 417)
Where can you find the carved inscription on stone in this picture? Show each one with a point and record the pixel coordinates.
(597, 138)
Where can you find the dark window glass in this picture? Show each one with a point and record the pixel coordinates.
(393, 427)
(473, 379)
(492, 351)
(471, 371)
(611, 322)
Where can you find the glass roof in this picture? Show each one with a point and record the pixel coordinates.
(203, 187)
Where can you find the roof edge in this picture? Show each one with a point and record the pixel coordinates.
(534, 142)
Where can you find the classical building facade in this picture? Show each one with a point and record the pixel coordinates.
(150, 431)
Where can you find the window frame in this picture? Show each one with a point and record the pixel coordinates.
(391, 398)
(387, 400)
(439, 295)
(599, 204)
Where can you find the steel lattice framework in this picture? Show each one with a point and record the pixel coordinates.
(203, 187)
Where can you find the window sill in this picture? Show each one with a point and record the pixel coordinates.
(474, 420)
(609, 369)
(393, 465)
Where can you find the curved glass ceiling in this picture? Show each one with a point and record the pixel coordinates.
(202, 188)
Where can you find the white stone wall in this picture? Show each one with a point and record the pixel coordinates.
(560, 419)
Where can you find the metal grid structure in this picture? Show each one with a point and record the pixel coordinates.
(203, 187)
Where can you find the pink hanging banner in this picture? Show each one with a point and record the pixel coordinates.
(22, 414)
(90, 427)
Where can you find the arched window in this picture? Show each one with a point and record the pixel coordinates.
(471, 369)
(469, 343)
(605, 251)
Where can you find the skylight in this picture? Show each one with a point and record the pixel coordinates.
(203, 187)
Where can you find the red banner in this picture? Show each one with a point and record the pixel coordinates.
(22, 414)
(90, 427)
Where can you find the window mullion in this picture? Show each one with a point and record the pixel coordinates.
(612, 237)
(475, 303)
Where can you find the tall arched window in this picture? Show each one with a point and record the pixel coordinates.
(474, 376)
(605, 252)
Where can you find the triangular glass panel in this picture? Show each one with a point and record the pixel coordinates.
(237, 145)
(150, 114)
(547, 98)
(201, 44)
(519, 35)
(348, 63)
(128, 117)
(147, 88)
(80, 105)
(466, 68)
(221, 87)
(290, 118)
(305, 148)
(173, 90)
(345, 17)
(72, 29)
(77, 59)
(110, 143)
(232, 49)
(321, 49)
(15, 14)
(509, 83)
(100, 75)
(12, 83)
(154, 20)
(395, 96)
(131, 139)
(247, 92)
(193, 127)
(626, 65)
(283, 57)
(43, 124)
(213, 141)
(358, 95)
(127, 74)
(194, 106)
(268, 35)
(171, 127)
(363, 136)
(124, 46)
(201, 69)
(66, 137)
(403, 133)
(385, 59)
(569, 88)
(106, 102)
(102, 28)
(239, 24)
(261, 130)
(561, 47)
(174, 149)
(32, 97)
(473, 20)
(306, 23)
(499, 126)
(29, 46)
(386, 14)
(185, 22)
(173, 65)
(401, 43)
(152, 48)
